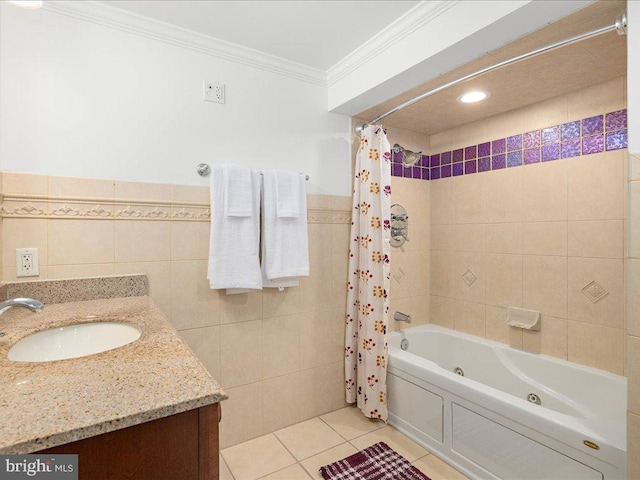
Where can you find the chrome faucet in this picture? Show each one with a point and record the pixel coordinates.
(399, 316)
(30, 303)
(33, 305)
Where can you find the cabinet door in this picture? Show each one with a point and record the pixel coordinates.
(183, 446)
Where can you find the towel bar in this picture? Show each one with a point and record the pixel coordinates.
(204, 170)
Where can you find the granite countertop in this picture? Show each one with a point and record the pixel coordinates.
(47, 404)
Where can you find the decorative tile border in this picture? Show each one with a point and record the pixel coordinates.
(596, 134)
(37, 206)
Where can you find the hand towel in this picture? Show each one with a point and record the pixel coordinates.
(234, 262)
(285, 242)
(238, 195)
(288, 188)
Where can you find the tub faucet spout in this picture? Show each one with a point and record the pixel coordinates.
(401, 317)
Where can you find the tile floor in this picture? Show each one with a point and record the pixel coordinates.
(297, 452)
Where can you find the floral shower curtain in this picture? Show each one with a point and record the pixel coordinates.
(369, 273)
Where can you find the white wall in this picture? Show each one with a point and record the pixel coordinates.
(81, 99)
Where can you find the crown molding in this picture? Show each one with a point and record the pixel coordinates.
(111, 17)
(416, 18)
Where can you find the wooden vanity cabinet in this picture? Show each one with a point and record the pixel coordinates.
(183, 446)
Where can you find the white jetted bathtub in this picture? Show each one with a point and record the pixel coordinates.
(496, 412)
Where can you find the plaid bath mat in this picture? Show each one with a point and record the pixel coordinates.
(378, 462)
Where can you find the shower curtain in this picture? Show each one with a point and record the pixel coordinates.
(368, 286)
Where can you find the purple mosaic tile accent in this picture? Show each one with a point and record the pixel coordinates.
(616, 120)
(498, 162)
(484, 164)
(396, 169)
(396, 157)
(514, 159)
(470, 152)
(592, 125)
(531, 155)
(550, 152)
(570, 130)
(571, 148)
(528, 148)
(616, 140)
(470, 167)
(484, 149)
(592, 144)
(499, 146)
(531, 139)
(551, 135)
(514, 143)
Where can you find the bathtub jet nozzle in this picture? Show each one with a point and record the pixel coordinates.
(533, 398)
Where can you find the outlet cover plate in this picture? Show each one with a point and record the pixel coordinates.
(213, 91)
(27, 262)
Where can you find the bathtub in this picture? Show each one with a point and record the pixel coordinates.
(495, 412)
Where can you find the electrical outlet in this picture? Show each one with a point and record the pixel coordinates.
(27, 263)
(213, 92)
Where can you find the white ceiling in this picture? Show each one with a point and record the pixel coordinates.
(314, 33)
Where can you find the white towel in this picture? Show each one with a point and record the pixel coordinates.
(237, 191)
(285, 242)
(234, 262)
(289, 186)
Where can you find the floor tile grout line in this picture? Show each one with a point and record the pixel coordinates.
(265, 435)
(382, 425)
(349, 442)
(222, 461)
(329, 425)
(283, 444)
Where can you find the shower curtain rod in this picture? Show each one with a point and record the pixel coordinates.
(620, 26)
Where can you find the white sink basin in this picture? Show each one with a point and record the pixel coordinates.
(73, 341)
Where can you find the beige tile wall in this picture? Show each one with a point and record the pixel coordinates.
(279, 355)
(410, 263)
(534, 237)
(633, 318)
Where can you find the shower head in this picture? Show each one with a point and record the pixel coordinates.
(409, 158)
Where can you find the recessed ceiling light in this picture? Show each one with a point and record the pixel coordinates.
(27, 3)
(475, 96)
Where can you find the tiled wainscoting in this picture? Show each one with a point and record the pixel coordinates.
(528, 209)
(279, 355)
(633, 318)
(548, 237)
(410, 263)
